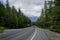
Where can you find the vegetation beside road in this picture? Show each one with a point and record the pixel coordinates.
(2, 29)
(11, 18)
(50, 16)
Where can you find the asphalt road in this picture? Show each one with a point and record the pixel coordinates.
(31, 33)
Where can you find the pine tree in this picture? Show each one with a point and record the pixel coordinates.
(7, 14)
(2, 11)
(57, 2)
(11, 18)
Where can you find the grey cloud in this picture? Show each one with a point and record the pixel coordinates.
(28, 7)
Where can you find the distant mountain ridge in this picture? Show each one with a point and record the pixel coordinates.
(33, 18)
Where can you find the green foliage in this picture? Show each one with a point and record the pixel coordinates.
(11, 18)
(2, 8)
(50, 16)
(1, 29)
(55, 30)
(57, 2)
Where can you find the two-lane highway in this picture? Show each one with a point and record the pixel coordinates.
(31, 33)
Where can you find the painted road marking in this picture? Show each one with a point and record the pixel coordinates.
(34, 34)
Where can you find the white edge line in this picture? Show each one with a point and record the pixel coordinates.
(34, 34)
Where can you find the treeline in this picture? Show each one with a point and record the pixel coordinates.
(50, 16)
(11, 18)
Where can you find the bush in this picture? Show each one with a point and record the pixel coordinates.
(1, 29)
(55, 30)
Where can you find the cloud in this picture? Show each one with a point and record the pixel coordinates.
(28, 7)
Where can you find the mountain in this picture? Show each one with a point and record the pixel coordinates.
(33, 18)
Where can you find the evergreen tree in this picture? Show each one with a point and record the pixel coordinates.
(7, 14)
(52, 16)
(11, 18)
(2, 11)
(57, 2)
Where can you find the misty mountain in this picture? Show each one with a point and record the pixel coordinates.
(33, 18)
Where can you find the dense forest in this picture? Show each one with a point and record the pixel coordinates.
(11, 18)
(50, 16)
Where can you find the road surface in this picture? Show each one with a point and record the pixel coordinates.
(31, 33)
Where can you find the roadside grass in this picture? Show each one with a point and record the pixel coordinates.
(1, 29)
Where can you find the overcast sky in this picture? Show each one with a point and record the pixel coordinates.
(28, 7)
